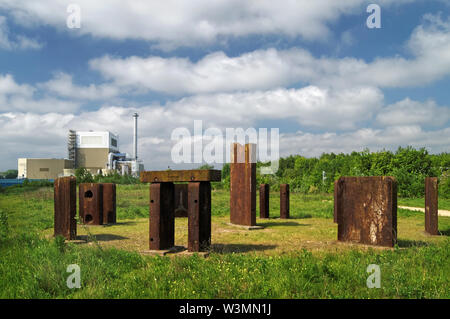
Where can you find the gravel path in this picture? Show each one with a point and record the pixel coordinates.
(441, 212)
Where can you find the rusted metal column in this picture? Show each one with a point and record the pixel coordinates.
(199, 216)
(109, 203)
(91, 203)
(366, 210)
(431, 205)
(162, 216)
(65, 205)
(284, 201)
(264, 191)
(243, 184)
(181, 200)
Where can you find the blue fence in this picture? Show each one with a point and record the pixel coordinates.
(11, 182)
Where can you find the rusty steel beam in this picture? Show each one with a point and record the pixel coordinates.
(243, 184)
(109, 203)
(431, 205)
(199, 216)
(264, 194)
(162, 216)
(181, 200)
(65, 205)
(196, 175)
(91, 203)
(366, 210)
(284, 201)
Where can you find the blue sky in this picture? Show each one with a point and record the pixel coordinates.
(313, 70)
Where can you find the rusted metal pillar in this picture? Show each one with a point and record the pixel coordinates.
(91, 203)
(431, 205)
(162, 216)
(243, 184)
(181, 200)
(284, 201)
(65, 205)
(264, 191)
(109, 203)
(199, 216)
(366, 210)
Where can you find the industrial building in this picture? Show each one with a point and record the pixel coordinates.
(43, 168)
(96, 151)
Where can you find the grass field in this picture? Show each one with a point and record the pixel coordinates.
(295, 258)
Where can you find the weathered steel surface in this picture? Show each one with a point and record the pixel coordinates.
(199, 217)
(366, 210)
(243, 184)
(197, 175)
(91, 203)
(431, 205)
(109, 203)
(162, 216)
(284, 201)
(181, 200)
(264, 191)
(65, 205)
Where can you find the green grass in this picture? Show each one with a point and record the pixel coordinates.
(294, 259)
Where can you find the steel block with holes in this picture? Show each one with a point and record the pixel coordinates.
(162, 207)
(91, 203)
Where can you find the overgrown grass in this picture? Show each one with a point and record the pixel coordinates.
(34, 266)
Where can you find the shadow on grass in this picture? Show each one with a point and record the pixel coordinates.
(238, 248)
(444, 232)
(271, 224)
(404, 243)
(103, 237)
(121, 223)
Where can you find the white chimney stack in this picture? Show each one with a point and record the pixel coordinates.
(135, 115)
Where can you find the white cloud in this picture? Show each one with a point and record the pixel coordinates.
(264, 69)
(62, 85)
(408, 112)
(16, 97)
(20, 42)
(343, 121)
(173, 23)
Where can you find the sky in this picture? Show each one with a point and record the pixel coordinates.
(312, 69)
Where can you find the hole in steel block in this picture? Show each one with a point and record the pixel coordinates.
(88, 218)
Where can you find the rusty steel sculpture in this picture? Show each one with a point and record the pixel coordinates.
(431, 205)
(91, 203)
(109, 203)
(366, 210)
(264, 194)
(162, 208)
(65, 205)
(243, 184)
(284, 201)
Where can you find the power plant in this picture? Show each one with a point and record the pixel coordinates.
(96, 151)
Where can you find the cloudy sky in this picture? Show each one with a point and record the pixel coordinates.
(313, 69)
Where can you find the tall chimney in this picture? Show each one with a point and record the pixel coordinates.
(135, 115)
